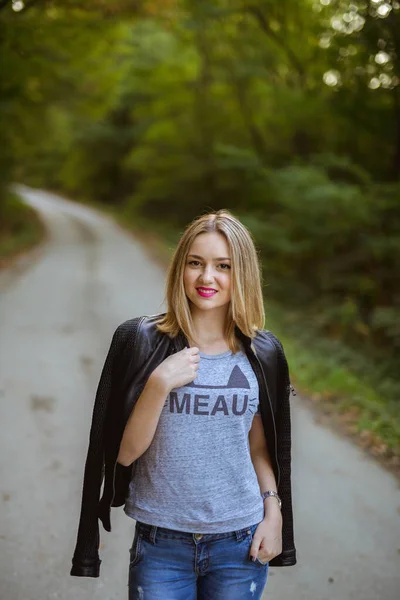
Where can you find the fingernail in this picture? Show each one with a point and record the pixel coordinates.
(253, 558)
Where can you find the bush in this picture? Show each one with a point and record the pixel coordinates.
(332, 249)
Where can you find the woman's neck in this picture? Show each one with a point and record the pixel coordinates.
(209, 330)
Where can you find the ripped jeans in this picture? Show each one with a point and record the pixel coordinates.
(166, 564)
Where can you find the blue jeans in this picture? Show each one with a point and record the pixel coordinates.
(166, 564)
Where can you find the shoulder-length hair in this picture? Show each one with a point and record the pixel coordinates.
(246, 308)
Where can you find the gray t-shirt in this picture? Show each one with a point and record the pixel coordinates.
(197, 474)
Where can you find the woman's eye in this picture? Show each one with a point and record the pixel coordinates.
(196, 262)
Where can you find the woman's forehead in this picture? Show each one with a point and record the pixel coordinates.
(208, 244)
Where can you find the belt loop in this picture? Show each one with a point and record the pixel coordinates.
(241, 533)
(153, 533)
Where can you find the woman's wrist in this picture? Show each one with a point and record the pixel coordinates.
(271, 509)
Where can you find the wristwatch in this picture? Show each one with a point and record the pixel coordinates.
(272, 493)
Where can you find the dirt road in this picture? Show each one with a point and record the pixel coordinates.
(57, 316)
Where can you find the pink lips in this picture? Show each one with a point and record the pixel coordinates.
(206, 292)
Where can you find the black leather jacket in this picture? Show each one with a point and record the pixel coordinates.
(137, 348)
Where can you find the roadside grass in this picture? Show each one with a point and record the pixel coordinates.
(346, 390)
(20, 229)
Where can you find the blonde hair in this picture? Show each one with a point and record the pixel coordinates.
(246, 308)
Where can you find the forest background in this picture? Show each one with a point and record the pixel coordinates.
(287, 113)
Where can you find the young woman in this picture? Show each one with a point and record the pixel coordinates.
(191, 428)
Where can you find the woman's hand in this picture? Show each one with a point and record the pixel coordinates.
(178, 369)
(267, 539)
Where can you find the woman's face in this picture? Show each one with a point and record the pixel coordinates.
(207, 274)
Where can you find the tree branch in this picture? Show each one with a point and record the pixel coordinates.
(262, 21)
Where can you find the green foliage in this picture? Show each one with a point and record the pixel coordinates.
(342, 169)
(285, 112)
(324, 249)
(20, 227)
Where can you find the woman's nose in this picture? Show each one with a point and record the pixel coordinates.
(207, 275)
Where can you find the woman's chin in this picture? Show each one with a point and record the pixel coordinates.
(205, 303)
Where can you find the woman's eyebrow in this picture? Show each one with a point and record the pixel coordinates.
(221, 258)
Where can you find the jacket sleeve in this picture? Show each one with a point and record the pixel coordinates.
(86, 562)
(283, 426)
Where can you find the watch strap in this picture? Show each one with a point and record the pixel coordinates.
(272, 493)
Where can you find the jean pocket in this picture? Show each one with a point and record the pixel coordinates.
(258, 562)
(135, 551)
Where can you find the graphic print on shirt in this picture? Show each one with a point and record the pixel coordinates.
(218, 403)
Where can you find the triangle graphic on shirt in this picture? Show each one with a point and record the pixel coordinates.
(237, 379)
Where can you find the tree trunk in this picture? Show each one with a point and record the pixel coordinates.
(396, 157)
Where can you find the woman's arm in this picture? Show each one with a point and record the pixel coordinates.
(261, 460)
(174, 371)
(142, 423)
(267, 538)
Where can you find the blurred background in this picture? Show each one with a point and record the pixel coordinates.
(287, 113)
